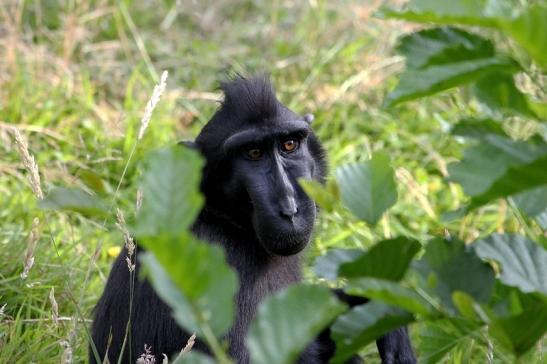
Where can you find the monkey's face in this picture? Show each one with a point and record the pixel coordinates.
(266, 165)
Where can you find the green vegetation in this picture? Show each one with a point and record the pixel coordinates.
(461, 174)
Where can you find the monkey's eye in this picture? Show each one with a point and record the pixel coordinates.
(289, 145)
(253, 154)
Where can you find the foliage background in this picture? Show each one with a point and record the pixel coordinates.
(75, 77)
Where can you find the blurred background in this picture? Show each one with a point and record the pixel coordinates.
(75, 77)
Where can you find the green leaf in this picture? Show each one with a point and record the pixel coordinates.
(288, 321)
(171, 198)
(166, 289)
(520, 333)
(364, 324)
(500, 167)
(390, 293)
(534, 204)
(523, 262)
(478, 128)
(529, 30)
(469, 12)
(499, 93)
(445, 45)
(440, 337)
(515, 180)
(450, 266)
(326, 266)
(389, 259)
(194, 357)
(207, 300)
(414, 84)
(326, 196)
(73, 199)
(368, 188)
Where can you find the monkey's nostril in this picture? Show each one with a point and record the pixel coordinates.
(289, 213)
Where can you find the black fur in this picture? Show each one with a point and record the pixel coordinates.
(256, 211)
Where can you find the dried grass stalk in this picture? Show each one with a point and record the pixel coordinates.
(66, 357)
(138, 202)
(189, 345)
(29, 163)
(151, 105)
(128, 239)
(33, 238)
(54, 306)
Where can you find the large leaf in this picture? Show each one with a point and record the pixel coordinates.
(450, 266)
(201, 287)
(520, 333)
(368, 188)
(499, 93)
(437, 46)
(499, 167)
(73, 199)
(439, 337)
(534, 203)
(171, 198)
(288, 321)
(206, 285)
(389, 259)
(414, 84)
(523, 262)
(364, 324)
(326, 266)
(390, 293)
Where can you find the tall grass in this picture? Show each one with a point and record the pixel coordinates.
(74, 79)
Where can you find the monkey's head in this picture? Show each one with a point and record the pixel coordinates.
(256, 149)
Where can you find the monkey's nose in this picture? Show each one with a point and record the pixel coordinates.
(289, 209)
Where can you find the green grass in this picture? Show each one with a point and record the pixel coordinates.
(75, 78)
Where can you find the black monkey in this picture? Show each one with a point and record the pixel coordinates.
(255, 150)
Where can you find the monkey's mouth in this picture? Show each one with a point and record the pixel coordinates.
(285, 243)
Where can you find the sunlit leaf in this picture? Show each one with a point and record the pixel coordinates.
(326, 196)
(368, 188)
(171, 198)
(203, 286)
(288, 321)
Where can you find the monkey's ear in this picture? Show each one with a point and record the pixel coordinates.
(308, 118)
(189, 144)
